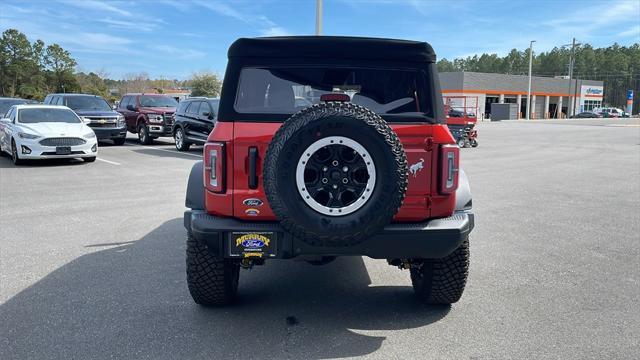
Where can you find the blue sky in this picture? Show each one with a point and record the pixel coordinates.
(173, 38)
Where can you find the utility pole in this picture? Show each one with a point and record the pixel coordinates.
(529, 89)
(318, 17)
(572, 60)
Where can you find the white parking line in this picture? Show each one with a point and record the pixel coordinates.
(108, 161)
(167, 150)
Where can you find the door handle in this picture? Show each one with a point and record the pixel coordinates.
(253, 167)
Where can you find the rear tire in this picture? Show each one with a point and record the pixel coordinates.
(211, 280)
(181, 143)
(442, 281)
(461, 143)
(143, 135)
(89, 159)
(119, 141)
(474, 143)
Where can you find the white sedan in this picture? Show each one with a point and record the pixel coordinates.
(46, 132)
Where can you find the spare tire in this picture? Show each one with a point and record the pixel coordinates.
(335, 174)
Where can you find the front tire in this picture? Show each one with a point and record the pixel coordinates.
(474, 143)
(89, 159)
(461, 143)
(442, 281)
(14, 154)
(143, 135)
(211, 280)
(119, 141)
(180, 141)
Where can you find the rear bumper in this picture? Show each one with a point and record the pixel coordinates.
(434, 238)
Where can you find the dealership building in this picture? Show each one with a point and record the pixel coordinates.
(550, 97)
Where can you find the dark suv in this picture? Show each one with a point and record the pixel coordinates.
(366, 166)
(148, 115)
(193, 121)
(96, 111)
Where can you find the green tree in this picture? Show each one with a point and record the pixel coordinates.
(205, 84)
(16, 59)
(60, 66)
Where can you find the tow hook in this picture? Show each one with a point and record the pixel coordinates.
(405, 264)
(247, 263)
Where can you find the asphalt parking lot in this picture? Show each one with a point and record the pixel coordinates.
(92, 263)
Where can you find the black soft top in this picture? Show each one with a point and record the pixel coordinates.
(332, 47)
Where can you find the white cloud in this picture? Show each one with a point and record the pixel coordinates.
(264, 24)
(178, 52)
(96, 5)
(274, 31)
(123, 24)
(633, 31)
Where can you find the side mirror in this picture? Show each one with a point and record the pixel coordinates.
(5, 120)
(131, 107)
(85, 120)
(207, 114)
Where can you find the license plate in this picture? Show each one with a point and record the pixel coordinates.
(63, 150)
(252, 244)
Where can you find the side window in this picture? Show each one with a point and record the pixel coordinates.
(182, 107)
(60, 100)
(124, 102)
(10, 114)
(47, 100)
(204, 107)
(193, 108)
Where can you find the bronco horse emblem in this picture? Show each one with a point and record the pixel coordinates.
(413, 169)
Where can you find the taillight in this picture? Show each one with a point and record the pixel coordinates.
(214, 167)
(449, 167)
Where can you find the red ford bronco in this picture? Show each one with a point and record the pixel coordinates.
(365, 166)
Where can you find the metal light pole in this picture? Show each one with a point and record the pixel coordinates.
(318, 17)
(529, 89)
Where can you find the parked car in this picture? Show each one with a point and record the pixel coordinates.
(611, 112)
(46, 132)
(148, 115)
(586, 114)
(376, 174)
(193, 121)
(105, 122)
(7, 102)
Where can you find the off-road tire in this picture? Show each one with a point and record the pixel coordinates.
(185, 145)
(119, 141)
(442, 281)
(89, 159)
(308, 126)
(143, 134)
(211, 280)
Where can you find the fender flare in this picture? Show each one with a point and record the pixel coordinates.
(139, 120)
(463, 193)
(195, 188)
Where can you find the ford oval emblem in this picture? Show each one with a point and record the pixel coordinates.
(253, 244)
(252, 202)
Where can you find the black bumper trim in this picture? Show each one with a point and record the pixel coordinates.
(434, 238)
(110, 133)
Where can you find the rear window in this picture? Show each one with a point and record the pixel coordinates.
(286, 90)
